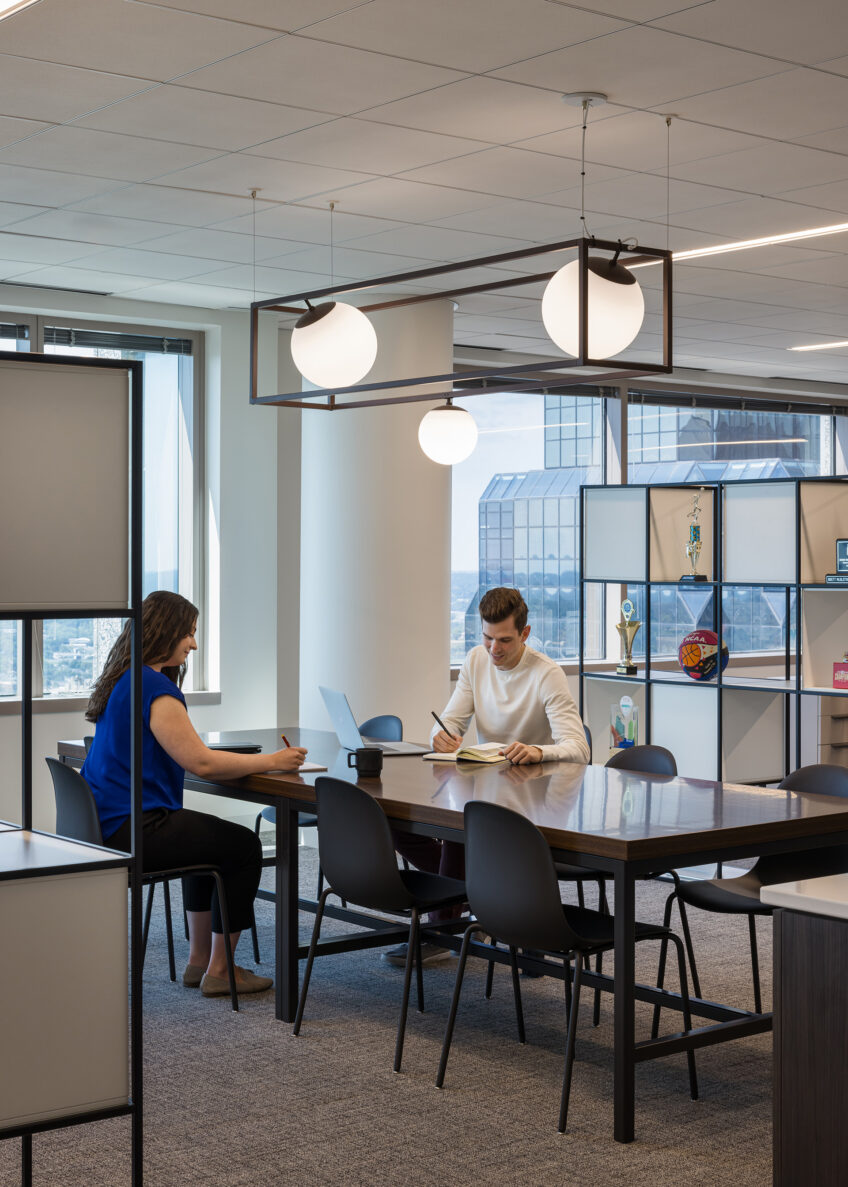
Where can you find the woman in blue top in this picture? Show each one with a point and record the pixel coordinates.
(174, 836)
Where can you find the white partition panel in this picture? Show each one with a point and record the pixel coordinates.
(684, 719)
(759, 532)
(614, 548)
(752, 736)
(599, 696)
(64, 487)
(824, 635)
(670, 521)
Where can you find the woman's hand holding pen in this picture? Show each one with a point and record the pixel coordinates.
(290, 759)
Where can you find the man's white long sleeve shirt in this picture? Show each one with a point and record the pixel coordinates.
(529, 703)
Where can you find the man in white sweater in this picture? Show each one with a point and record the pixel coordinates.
(516, 695)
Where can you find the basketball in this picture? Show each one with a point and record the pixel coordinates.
(698, 655)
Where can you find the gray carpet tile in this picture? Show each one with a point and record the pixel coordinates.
(235, 1099)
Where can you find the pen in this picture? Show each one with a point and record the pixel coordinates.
(285, 739)
(442, 724)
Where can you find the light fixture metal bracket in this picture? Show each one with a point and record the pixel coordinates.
(480, 380)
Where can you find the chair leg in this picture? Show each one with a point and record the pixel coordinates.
(185, 922)
(148, 911)
(568, 976)
(687, 1015)
(655, 1025)
(690, 951)
(490, 972)
(755, 964)
(255, 938)
(516, 992)
(225, 925)
(411, 950)
(603, 907)
(419, 973)
(581, 902)
(457, 989)
(313, 944)
(169, 930)
(569, 1042)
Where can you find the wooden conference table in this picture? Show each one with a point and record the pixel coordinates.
(629, 825)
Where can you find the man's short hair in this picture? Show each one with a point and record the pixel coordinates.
(496, 605)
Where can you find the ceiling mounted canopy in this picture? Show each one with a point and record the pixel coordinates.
(333, 344)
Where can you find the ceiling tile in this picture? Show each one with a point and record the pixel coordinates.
(507, 172)
(835, 139)
(168, 205)
(637, 140)
(29, 249)
(389, 196)
(284, 15)
(44, 91)
(755, 217)
(645, 66)
(221, 246)
(439, 243)
(348, 262)
(141, 40)
(153, 264)
(315, 74)
(368, 147)
(833, 197)
(486, 109)
(770, 169)
(796, 32)
(277, 281)
(16, 129)
(310, 224)
(643, 195)
(200, 117)
(829, 270)
(104, 154)
(640, 10)
(14, 212)
(91, 228)
(67, 277)
(474, 36)
(801, 321)
(43, 187)
(785, 106)
(282, 181)
(521, 220)
(204, 296)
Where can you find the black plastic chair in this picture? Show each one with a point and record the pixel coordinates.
(741, 895)
(385, 728)
(77, 818)
(358, 858)
(651, 760)
(513, 892)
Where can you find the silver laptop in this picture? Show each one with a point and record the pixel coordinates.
(347, 731)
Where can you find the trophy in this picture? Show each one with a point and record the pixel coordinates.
(627, 629)
(692, 548)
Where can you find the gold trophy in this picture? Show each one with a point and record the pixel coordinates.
(627, 629)
(692, 548)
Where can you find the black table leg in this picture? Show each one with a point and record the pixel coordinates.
(286, 886)
(625, 1013)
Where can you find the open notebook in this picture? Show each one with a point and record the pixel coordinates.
(482, 752)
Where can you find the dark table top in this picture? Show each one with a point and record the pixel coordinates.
(587, 809)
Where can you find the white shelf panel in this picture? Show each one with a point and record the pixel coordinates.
(759, 533)
(685, 722)
(615, 534)
(599, 695)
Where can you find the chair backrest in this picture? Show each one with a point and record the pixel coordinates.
(588, 734)
(511, 881)
(356, 848)
(76, 810)
(87, 740)
(817, 779)
(651, 760)
(386, 728)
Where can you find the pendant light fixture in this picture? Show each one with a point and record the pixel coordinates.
(615, 305)
(333, 344)
(448, 434)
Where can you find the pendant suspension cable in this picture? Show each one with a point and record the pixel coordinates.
(253, 194)
(585, 105)
(332, 272)
(667, 180)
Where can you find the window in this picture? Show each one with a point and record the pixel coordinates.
(72, 651)
(515, 515)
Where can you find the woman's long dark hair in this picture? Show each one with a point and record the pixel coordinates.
(165, 619)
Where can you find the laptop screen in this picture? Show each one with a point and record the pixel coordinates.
(344, 723)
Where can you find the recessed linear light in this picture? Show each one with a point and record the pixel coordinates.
(720, 249)
(700, 444)
(820, 346)
(8, 9)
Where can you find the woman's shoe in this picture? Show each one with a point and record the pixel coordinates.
(246, 982)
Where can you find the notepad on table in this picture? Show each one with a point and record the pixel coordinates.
(482, 752)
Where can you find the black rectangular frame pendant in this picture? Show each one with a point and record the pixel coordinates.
(481, 380)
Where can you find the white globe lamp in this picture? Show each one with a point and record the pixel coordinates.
(333, 345)
(447, 434)
(615, 308)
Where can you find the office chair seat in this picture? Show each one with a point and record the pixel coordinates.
(727, 896)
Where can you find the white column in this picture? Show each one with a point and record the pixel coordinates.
(375, 542)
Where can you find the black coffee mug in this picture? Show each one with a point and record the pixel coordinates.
(368, 760)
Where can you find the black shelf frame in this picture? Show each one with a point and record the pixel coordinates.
(791, 687)
(133, 862)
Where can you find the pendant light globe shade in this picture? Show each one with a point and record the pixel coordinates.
(448, 434)
(616, 308)
(334, 345)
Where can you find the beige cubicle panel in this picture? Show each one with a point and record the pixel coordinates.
(824, 635)
(670, 521)
(753, 733)
(824, 520)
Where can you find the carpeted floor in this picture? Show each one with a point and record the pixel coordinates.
(235, 1099)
